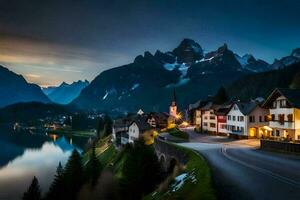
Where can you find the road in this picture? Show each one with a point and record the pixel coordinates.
(241, 171)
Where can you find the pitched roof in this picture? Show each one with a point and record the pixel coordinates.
(141, 122)
(292, 95)
(246, 107)
(223, 110)
(197, 104)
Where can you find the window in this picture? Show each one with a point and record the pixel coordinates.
(273, 117)
(277, 133)
(212, 117)
(260, 118)
(233, 118)
(229, 117)
(240, 118)
(282, 103)
(205, 124)
(290, 117)
(274, 104)
(212, 125)
(252, 119)
(205, 117)
(281, 118)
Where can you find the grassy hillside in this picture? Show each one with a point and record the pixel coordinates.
(197, 185)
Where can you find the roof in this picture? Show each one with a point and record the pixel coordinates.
(246, 107)
(292, 95)
(223, 110)
(210, 105)
(198, 104)
(141, 122)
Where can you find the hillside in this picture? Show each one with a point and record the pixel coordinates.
(261, 84)
(14, 89)
(24, 112)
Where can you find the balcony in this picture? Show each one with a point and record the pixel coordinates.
(284, 125)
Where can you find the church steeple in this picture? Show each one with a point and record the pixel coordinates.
(174, 98)
(173, 107)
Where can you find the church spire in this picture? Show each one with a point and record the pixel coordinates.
(174, 97)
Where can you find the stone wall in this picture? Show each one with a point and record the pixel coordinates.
(280, 146)
(169, 152)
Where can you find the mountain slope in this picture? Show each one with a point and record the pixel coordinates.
(261, 84)
(65, 93)
(14, 88)
(149, 81)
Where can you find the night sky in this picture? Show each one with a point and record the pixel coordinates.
(67, 40)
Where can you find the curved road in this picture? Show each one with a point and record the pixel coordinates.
(241, 171)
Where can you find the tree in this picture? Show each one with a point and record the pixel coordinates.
(107, 125)
(100, 126)
(73, 175)
(93, 167)
(34, 191)
(141, 171)
(221, 96)
(56, 189)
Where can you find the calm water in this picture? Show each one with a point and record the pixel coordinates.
(23, 156)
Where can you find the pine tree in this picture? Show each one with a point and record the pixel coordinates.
(107, 125)
(56, 189)
(93, 167)
(100, 126)
(221, 96)
(73, 175)
(141, 171)
(34, 191)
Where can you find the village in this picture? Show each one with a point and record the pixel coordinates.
(276, 118)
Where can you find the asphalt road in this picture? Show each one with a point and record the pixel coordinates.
(241, 171)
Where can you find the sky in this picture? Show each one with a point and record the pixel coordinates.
(52, 41)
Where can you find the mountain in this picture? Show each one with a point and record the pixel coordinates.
(293, 58)
(261, 84)
(149, 81)
(255, 65)
(65, 93)
(14, 88)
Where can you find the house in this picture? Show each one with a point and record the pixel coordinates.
(120, 131)
(209, 117)
(130, 128)
(221, 114)
(195, 113)
(247, 120)
(158, 119)
(284, 108)
(137, 128)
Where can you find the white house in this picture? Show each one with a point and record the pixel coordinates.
(284, 108)
(209, 117)
(137, 128)
(246, 120)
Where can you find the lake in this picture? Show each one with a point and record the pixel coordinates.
(23, 156)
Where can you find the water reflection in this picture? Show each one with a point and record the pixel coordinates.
(25, 156)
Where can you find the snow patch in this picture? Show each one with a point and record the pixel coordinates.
(105, 96)
(136, 85)
(181, 82)
(182, 178)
